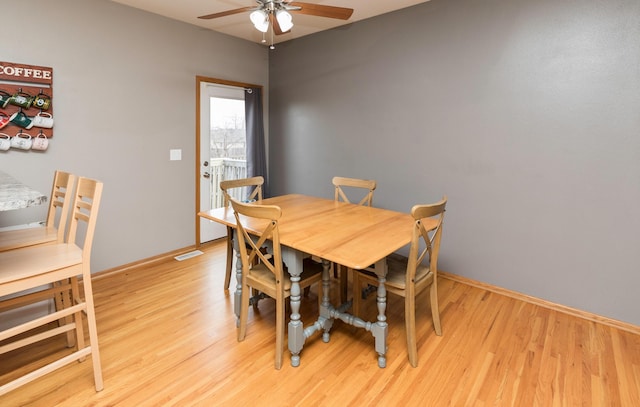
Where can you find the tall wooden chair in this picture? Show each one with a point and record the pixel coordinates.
(34, 266)
(354, 186)
(53, 231)
(408, 276)
(266, 274)
(54, 228)
(252, 190)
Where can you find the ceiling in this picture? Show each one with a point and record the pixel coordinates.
(238, 25)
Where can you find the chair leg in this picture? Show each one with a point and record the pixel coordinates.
(75, 293)
(320, 293)
(344, 281)
(355, 306)
(63, 299)
(244, 312)
(58, 297)
(279, 331)
(229, 266)
(410, 327)
(435, 310)
(369, 289)
(93, 331)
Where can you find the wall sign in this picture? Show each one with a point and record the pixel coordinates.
(26, 106)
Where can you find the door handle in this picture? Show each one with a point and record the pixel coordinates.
(206, 175)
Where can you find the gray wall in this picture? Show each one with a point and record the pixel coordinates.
(525, 113)
(124, 95)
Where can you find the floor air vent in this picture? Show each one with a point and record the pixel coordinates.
(188, 255)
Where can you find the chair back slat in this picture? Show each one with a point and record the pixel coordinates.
(341, 182)
(61, 189)
(85, 209)
(254, 184)
(266, 230)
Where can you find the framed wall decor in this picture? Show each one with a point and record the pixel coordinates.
(26, 103)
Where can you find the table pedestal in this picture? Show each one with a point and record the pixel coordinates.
(297, 333)
(328, 314)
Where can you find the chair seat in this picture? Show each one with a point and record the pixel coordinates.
(397, 271)
(312, 272)
(33, 261)
(13, 239)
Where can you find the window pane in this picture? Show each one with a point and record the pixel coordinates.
(228, 134)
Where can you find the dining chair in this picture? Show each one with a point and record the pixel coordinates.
(252, 190)
(362, 190)
(54, 227)
(34, 266)
(53, 231)
(267, 274)
(408, 276)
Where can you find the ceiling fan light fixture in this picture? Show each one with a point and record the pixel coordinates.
(284, 19)
(260, 20)
(275, 15)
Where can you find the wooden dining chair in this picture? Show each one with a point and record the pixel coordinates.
(252, 190)
(362, 190)
(54, 228)
(267, 274)
(408, 276)
(34, 266)
(53, 231)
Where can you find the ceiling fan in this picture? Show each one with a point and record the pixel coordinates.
(277, 14)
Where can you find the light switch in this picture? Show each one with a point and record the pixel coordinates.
(175, 155)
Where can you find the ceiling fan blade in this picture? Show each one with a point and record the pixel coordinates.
(277, 30)
(319, 10)
(226, 13)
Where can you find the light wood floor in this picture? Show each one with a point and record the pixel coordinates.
(168, 337)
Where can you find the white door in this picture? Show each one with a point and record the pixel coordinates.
(222, 148)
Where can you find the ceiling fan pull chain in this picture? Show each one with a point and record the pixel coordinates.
(272, 46)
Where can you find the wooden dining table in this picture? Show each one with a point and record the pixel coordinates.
(16, 195)
(354, 236)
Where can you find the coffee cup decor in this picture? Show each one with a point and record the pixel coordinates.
(22, 120)
(21, 141)
(42, 101)
(43, 120)
(21, 99)
(41, 142)
(5, 142)
(4, 98)
(4, 120)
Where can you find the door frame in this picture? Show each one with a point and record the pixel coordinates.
(199, 81)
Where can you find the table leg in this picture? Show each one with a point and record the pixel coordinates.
(325, 306)
(293, 259)
(298, 334)
(380, 328)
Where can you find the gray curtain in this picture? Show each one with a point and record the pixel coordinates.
(256, 151)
